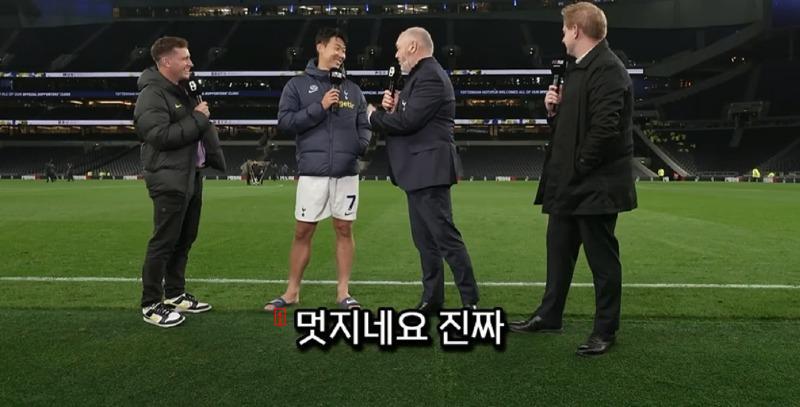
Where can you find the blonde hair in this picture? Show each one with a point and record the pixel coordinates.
(588, 17)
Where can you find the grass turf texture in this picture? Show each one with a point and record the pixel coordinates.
(71, 342)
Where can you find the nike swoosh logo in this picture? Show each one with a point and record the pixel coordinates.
(178, 105)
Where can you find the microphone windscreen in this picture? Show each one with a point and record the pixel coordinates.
(336, 76)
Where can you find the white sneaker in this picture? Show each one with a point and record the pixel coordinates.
(161, 316)
(187, 303)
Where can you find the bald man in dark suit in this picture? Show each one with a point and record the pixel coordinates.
(424, 163)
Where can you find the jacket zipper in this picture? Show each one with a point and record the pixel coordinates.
(330, 141)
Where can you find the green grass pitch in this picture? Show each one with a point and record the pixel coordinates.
(83, 342)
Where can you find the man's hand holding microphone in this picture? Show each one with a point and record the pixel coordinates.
(194, 89)
(552, 99)
(553, 96)
(389, 102)
(202, 107)
(331, 98)
(390, 95)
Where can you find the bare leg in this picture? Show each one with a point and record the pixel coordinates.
(298, 260)
(345, 251)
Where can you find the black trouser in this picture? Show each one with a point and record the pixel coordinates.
(176, 219)
(51, 178)
(435, 236)
(565, 234)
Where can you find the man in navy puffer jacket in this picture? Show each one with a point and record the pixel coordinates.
(331, 130)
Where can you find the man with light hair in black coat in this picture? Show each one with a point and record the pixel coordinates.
(588, 177)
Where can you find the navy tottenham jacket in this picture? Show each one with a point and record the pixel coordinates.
(328, 143)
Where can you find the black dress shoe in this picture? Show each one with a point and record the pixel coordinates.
(428, 308)
(534, 324)
(595, 345)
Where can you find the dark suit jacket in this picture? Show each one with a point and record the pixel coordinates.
(588, 168)
(419, 132)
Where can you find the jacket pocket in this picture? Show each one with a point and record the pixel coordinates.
(168, 207)
(148, 156)
(418, 148)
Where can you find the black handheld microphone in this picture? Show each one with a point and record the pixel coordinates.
(395, 75)
(337, 77)
(395, 78)
(558, 68)
(194, 87)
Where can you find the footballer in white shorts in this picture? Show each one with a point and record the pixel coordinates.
(319, 198)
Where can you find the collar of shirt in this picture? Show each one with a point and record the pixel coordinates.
(201, 155)
(579, 59)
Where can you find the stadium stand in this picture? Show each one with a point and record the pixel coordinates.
(698, 100)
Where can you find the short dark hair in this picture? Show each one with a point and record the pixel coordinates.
(326, 33)
(165, 45)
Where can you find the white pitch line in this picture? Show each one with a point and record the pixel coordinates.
(393, 282)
